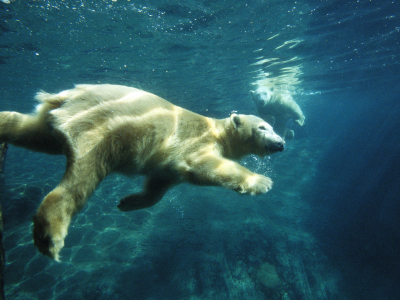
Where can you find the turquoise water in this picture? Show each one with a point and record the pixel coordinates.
(328, 229)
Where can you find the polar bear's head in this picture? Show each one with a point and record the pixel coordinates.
(253, 135)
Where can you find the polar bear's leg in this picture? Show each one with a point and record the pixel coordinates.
(54, 215)
(51, 222)
(28, 131)
(219, 171)
(152, 193)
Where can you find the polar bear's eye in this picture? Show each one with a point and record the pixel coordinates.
(262, 127)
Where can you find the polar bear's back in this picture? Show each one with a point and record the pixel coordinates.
(84, 115)
(94, 103)
(83, 97)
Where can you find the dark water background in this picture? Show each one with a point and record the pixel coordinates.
(330, 226)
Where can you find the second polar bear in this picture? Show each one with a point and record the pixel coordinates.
(277, 108)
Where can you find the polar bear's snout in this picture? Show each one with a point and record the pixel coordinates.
(275, 144)
(281, 146)
(278, 146)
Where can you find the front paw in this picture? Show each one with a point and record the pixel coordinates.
(44, 237)
(256, 185)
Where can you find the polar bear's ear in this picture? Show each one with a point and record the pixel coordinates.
(235, 120)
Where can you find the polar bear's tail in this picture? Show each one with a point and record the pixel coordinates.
(48, 102)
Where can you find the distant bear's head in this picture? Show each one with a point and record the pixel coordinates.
(262, 95)
(254, 136)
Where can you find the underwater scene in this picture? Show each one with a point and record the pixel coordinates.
(323, 73)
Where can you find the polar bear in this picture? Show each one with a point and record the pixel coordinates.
(277, 108)
(111, 128)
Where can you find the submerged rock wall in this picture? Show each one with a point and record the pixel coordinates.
(3, 149)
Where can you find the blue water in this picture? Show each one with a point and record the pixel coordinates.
(329, 228)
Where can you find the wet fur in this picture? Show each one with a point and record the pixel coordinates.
(109, 128)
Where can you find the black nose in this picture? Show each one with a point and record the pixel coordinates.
(281, 146)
